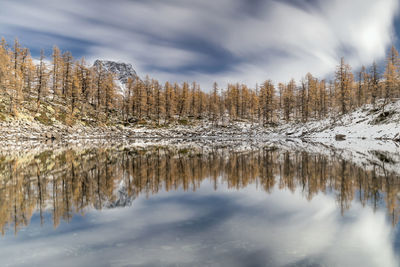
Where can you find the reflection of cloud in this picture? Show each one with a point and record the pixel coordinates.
(299, 231)
(234, 228)
(209, 40)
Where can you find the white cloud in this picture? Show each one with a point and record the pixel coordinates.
(279, 41)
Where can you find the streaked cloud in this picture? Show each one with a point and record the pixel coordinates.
(226, 41)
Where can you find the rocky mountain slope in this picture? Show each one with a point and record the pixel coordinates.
(122, 71)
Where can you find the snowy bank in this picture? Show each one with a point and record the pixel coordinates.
(367, 122)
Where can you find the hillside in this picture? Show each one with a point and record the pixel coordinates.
(367, 122)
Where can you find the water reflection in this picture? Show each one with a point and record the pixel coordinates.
(73, 181)
(192, 208)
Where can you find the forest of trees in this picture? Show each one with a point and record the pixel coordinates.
(90, 92)
(80, 180)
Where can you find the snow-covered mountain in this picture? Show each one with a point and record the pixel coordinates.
(123, 197)
(122, 71)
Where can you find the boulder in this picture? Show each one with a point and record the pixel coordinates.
(340, 137)
(51, 136)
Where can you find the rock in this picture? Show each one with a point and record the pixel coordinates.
(55, 136)
(340, 137)
(51, 136)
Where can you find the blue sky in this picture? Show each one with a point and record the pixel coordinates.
(224, 41)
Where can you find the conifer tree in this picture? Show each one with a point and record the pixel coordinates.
(56, 71)
(288, 99)
(67, 62)
(170, 99)
(99, 80)
(149, 96)
(361, 84)
(267, 94)
(109, 93)
(303, 100)
(322, 99)
(75, 88)
(344, 79)
(41, 78)
(392, 75)
(183, 100)
(214, 104)
(374, 83)
(158, 101)
(4, 66)
(16, 81)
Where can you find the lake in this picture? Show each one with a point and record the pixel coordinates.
(178, 206)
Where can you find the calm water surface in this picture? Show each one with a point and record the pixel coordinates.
(170, 207)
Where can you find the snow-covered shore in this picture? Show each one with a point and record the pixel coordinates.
(366, 123)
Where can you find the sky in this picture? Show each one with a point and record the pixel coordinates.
(246, 41)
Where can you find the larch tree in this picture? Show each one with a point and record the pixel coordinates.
(99, 80)
(267, 95)
(344, 80)
(312, 95)
(395, 59)
(201, 102)
(139, 100)
(168, 94)
(390, 83)
(323, 107)
(183, 100)
(193, 101)
(128, 99)
(109, 93)
(67, 63)
(56, 71)
(75, 88)
(41, 84)
(158, 101)
(392, 74)
(302, 96)
(288, 99)
(30, 75)
(149, 96)
(86, 80)
(28, 72)
(16, 80)
(245, 101)
(361, 86)
(254, 105)
(374, 83)
(4, 66)
(214, 104)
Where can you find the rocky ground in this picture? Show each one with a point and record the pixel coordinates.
(366, 123)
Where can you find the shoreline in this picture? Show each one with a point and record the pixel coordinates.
(33, 131)
(365, 123)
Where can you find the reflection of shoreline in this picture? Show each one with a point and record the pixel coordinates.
(365, 153)
(68, 181)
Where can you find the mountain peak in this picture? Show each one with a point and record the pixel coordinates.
(122, 70)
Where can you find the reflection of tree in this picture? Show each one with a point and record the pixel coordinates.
(73, 181)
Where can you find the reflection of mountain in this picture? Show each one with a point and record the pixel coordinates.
(74, 181)
(123, 197)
